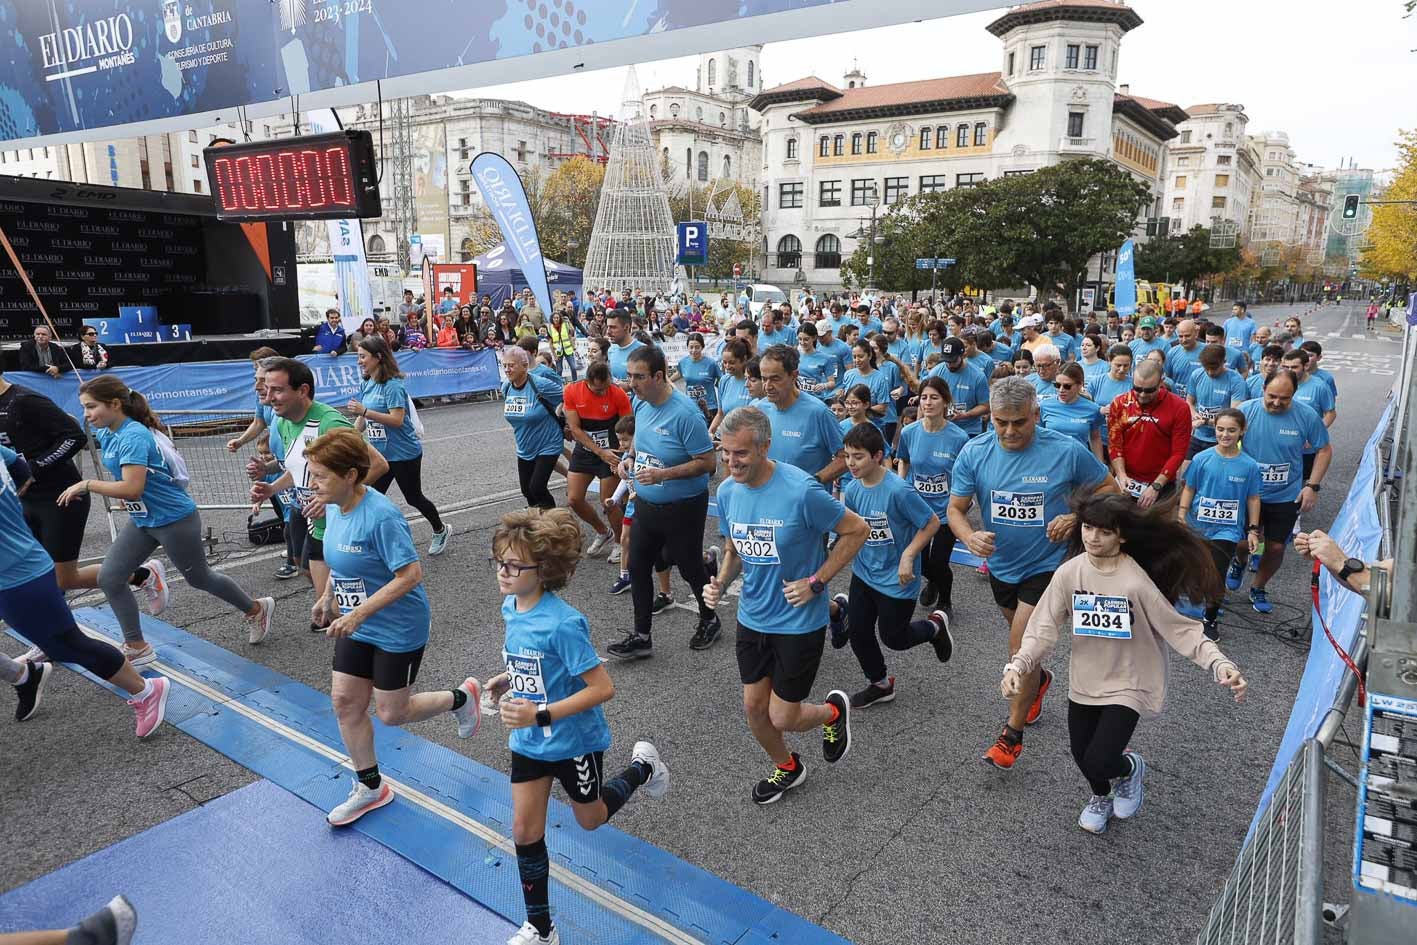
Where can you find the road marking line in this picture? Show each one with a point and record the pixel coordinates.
(579, 884)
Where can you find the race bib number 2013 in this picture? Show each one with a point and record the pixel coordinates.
(1023, 509)
(1098, 615)
(755, 544)
(938, 484)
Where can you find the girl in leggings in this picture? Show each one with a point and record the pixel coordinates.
(32, 603)
(1115, 596)
(383, 411)
(529, 406)
(160, 512)
(925, 458)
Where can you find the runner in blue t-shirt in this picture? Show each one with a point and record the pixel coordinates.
(883, 412)
(1276, 429)
(1183, 358)
(830, 343)
(33, 605)
(386, 418)
(817, 370)
(1239, 328)
(775, 518)
(1312, 392)
(805, 432)
(1237, 359)
(1268, 362)
(529, 407)
(549, 696)
(1023, 478)
(885, 574)
(1064, 342)
(1105, 388)
(378, 614)
(160, 513)
(732, 386)
(1072, 413)
(969, 389)
(622, 345)
(700, 376)
(925, 458)
(1212, 388)
(1221, 501)
(1147, 340)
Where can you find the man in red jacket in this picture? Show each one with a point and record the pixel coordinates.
(1148, 433)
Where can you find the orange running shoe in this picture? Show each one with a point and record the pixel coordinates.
(1005, 750)
(1036, 709)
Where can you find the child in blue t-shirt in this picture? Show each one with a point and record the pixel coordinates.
(549, 699)
(624, 497)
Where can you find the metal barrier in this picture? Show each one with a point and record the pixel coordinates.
(218, 477)
(1274, 893)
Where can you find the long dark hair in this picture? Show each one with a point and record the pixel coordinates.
(1177, 560)
(386, 365)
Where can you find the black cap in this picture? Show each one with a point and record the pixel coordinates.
(952, 349)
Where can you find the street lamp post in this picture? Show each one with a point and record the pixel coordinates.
(872, 201)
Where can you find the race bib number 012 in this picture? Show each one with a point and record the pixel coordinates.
(1217, 511)
(1098, 615)
(1274, 474)
(755, 544)
(1022, 509)
(349, 593)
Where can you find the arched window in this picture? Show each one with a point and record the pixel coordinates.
(468, 250)
(942, 136)
(789, 252)
(673, 109)
(727, 166)
(925, 138)
(688, 163)
(699, 113)
(723, 119)
(653, 112)
(824, 146)
(376, 244)
(856, 142)
(981, 134)
(712, 72)
(962, 136)
(750, 73)
(828, 253)
(792, 149)
(703, 165)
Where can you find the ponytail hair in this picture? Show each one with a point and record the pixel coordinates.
(109, 388)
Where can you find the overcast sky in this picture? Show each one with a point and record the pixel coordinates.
(1340, 78)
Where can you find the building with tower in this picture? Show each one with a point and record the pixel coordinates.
(710, 132)
(833, 153)
(1216, 171)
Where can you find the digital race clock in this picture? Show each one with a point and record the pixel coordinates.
(313, 177)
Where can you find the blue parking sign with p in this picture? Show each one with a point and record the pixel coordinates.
(693, 244)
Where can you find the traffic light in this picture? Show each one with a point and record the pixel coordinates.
(1350, 207)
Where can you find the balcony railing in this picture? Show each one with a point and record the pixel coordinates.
(1069, 143)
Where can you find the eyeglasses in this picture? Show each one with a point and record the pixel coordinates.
(512, 568)
(1145, 390)
(1061, 386)
(87, 333)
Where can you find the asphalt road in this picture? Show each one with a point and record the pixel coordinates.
(911, 838)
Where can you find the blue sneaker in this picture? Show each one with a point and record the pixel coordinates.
(1186, 608)
(839, 634)
(1234, 575)
(1259, 600)
(621, 585)
(1254, 563)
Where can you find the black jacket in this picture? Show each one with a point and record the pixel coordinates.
(29, 357)
(48, 438)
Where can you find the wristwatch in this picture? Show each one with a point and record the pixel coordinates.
(1352, 566)
(543, 718)
(1312, 485)
(817, 585)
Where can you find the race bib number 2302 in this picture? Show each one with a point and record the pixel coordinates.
(755, 544)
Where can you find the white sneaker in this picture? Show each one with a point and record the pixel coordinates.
(140, 656)
(614, 558)
(155, 587)
(125, 919)
(1127, 791)
(361, 801)
(658, 781)
(439, 544)
(470, 715)
(34, 655)
(528, 935)
(597, 546)
(1095, 815)
(260, 626)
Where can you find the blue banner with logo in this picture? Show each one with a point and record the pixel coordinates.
(505, 196)
(81, 64)
(1125, 296)
(226, 385)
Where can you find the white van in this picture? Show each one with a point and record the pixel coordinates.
(760, 295)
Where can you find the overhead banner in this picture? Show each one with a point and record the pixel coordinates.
(225, 386)
(505, 196)
(72, 65)
(356, 300)
(1126, 294)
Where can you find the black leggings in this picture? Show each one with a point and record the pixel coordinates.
(409, 474)
(1099, 734)
(668, 532)
(935, 564)
(1220, 552)
(866, 609)
(38, 612)
(534, 474)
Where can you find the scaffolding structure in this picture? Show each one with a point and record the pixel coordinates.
(632, 245)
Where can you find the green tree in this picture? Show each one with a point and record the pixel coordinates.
(1186, 257)
(723, 253)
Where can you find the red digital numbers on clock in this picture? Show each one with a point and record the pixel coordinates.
(284, 181)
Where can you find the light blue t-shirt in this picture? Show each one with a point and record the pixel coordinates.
(618, 358)
(1317, 395)
(732, 393)
(1321, 375)
(1238, 332)
(783, 336)
(1180, 364)
(1141, 347)
(1019, 492)
(1236, 360)
(816, 374)
(669, 435)
(395, 443)
(22, 558)
(1065, 344)
(363, 549)
(534, 427)
(1046, 390)
(1077, 419)
(267, 415)
(1277, 443)
(968, 389)
(1256, 352)
(546, 652)
(1094, 370)
(806, 434)
(1001, 352)
(984, 364)
(894, 513)
(1223, 488)
(549, 375)
(932, 458)
(701, 380)
(839, 350)
(1254, 385)
(777, 531)
(880, 385)
(163, 501)
(1212, 395)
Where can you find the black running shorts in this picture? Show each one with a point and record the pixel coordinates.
(389, 671)
(790, 660)
(581, 776)
(1028, 591)
(1277, 521)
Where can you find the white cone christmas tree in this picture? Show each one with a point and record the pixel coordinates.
(632, 244)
